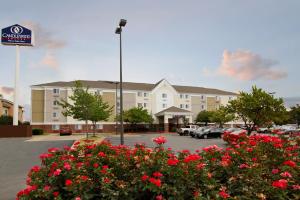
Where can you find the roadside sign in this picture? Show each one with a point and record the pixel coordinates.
(16, 35)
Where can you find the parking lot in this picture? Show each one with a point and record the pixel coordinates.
(174, 141)
(17, 156)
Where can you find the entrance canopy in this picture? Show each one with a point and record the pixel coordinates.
(174, 111)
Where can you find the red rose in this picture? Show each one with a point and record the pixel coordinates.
(282, 184)
(68, 182)
(275, 171)
(286, 174)
(290, 163)
(223, 194)
(35, 168)
(172, 162)
(57, 172)
(101, 154)
(55, 194)
(156, 182)
(67, 166)
(144, 177)
(157, 174)
(160, 140)
(159, 197)
(95, 165)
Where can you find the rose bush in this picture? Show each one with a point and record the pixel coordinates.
(251, 167)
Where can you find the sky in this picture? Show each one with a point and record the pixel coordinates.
(224, 44)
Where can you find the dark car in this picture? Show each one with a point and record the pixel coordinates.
(65, 131)
(212, 133)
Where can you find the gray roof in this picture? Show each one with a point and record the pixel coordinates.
(138, 86)
(173, 109)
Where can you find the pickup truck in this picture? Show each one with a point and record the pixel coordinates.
(187, 129)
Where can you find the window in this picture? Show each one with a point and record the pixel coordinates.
(145, 105)
(98, 92)
(202, 97)
(186, 96)
(187, 106)
(164, 95)
(181, 96)
(54, 114)
(99, 126)
(202, 107)
(140, 105)
(78, 127)
(145, 94)
(55, 127)
(5, 111)
(181, 105)
(230, 98)
(55, 103)
(55, 91)
(164, 105)
(139, 94)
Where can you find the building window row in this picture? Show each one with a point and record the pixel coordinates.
(142, 105)
(186, 106)
(184, 96)
(141, 94)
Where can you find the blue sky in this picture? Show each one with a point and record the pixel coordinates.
(225, 44)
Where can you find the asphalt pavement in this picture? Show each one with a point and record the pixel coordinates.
(175, 141)
(17, 156)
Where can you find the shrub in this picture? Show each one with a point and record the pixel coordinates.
(37, 131)
(6, 120)
(255, 167)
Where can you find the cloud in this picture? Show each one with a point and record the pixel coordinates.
(44, 39)
(49, 60)
(245, 65)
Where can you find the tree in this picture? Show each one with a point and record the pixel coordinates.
(80, 107)
(295, 114)
(204, 117)
(137, 115)
(1, 96)
(100, 111)
(257, 108)
(221, 116)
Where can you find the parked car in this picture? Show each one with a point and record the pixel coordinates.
(194, 133)
(210, 133)
(263, 130)
(237, 132)
(187, 129)
(65, 131)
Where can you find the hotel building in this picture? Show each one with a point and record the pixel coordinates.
(166, 103)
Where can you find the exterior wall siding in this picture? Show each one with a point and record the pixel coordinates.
(110, 98)
(37, 106)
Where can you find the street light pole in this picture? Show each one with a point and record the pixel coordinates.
(122, 23)
(116, 107)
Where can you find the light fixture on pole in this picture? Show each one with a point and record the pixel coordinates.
(118, 31)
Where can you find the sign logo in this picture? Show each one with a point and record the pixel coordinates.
(16, 35)
(16, 30)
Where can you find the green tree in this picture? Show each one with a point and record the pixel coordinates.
(137, 115)
(204, 117)
(257, 108)
(295, 114)
(80, 104)
(221, 116)
(100, 111)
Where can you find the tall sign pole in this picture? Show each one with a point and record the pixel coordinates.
(16, 92)
(16, 35)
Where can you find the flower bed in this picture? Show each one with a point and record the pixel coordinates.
(255, 167)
